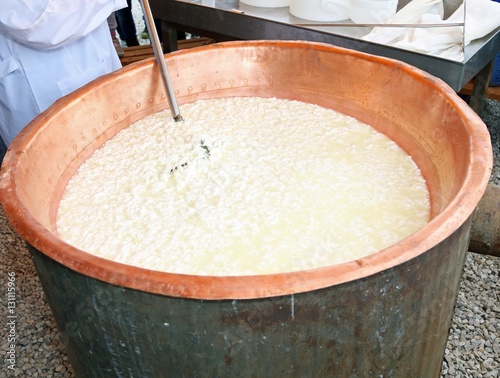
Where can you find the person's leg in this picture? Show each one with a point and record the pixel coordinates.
(126, 25)
(495, 73)
(3, 150)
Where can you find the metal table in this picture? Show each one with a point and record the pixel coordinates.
(225, 20)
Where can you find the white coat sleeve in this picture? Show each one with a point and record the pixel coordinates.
(47, 24)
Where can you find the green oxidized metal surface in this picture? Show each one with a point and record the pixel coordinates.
(392, 324)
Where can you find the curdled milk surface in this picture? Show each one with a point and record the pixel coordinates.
(243, 186)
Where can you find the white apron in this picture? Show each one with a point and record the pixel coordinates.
(48, 48)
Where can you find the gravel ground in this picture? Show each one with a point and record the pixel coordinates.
(473, 348)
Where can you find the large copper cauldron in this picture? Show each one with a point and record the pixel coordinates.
(384, 315)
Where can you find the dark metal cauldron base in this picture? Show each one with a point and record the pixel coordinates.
(392, 324)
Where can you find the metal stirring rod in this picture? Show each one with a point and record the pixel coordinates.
(160, 60)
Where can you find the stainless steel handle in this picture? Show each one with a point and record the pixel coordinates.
(160, 59)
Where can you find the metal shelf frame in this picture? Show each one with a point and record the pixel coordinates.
(225, 20)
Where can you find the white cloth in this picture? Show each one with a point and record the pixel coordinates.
(48, 48)
(481, 18)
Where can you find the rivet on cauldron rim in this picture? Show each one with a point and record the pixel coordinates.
(138, 105)
(104, 123)
(163, 95)
(203, 87)
(94, 130)
(115, 116)
(190, 89)
(151, 99)
(127, 110)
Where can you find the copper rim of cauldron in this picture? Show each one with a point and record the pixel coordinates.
(439, 228)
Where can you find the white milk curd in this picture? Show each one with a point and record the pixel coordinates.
(243, 186)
